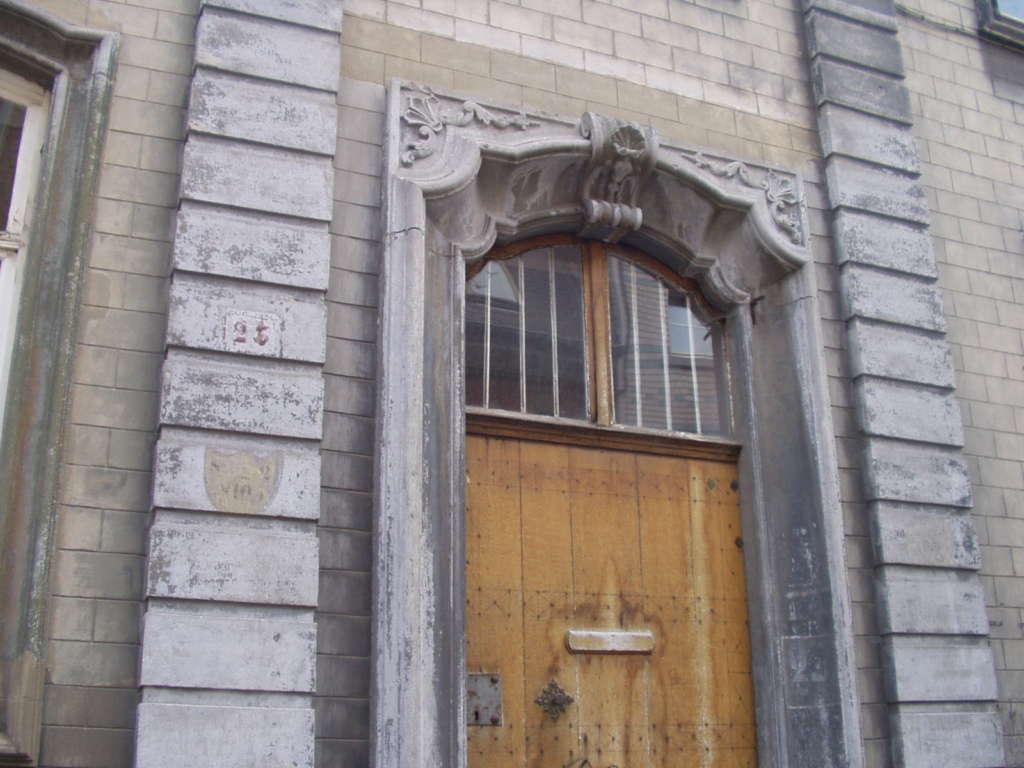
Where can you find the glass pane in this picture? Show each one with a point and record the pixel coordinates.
(476, 311)
(540, 384)
(572, 368)
(707, 346)
(685, 417)
(624, 363)
(651, 352)
(504, 313)
(12, 118)
(525, 334)
(664, 368)
(1013, 8)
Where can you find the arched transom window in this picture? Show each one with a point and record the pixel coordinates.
(586, 331)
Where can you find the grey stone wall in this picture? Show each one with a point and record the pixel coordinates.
(967, 98)
(343, 616)
(228, 663)
(106, 453)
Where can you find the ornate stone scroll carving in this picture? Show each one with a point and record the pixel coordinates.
(622, 158)
(422, 112)
(779, 191)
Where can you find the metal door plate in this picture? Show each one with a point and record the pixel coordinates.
(483, 699)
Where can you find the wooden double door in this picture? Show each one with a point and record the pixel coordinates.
(616, 577)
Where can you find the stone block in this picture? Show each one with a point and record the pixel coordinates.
(866, 239)
(90, 707)
(851, 86)
(257, 177)
(878, 295)
(878, 13)
(343, 677)
(92, 664)
(268, 49)
(67, 746)
(282, 400)
(898, 471)
(933, 601)
(98, 574)
(848, 132)
(343, 718)
(878, 349)
(343, 635)
(207, 647)
(252, 246)
(203, 559)
(916, 535)
(908, 411)
(853, 184)
(947, 737)
(248, 319)
(841, 39)
(105, 488)
(173, 735)
(244, 476)
(324, 14)
(235, 107)
(938, 668)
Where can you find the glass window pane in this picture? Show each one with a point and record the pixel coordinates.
(525, 334)
(476, 310)
(12, 119)
(681, 373)
(1012, 8)
(624, 362)
(573, 381)
(540, 383)
(664, 365)
(504, 335)
(651, 353)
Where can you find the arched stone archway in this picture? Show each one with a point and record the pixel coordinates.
(461, 177)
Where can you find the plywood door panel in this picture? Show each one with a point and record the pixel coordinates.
(562, 537)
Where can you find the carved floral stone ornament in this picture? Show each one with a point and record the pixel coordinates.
(779, 191)
(622, 157)
(424, 114)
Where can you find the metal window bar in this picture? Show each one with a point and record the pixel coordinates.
(554, 330)
(487, 337)
(636, 345)
(663, 316)
(522, 335)
(693, 367)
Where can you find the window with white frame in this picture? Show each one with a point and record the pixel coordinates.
(1002, 20)
(22, 127)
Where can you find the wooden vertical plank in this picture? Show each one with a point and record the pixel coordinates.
(731, 735)
(667, 549)
(547, 612)
(600, 321)
(608, 594)
(494, 637)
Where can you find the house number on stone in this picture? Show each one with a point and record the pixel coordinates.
(256, 333)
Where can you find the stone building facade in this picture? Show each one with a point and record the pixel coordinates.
(233, 438)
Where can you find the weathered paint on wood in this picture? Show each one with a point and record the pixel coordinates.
(619, 576)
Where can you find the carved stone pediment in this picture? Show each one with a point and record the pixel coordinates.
(491, 174)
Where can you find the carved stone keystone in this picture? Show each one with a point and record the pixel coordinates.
(622, 158)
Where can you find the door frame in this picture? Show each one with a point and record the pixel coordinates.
(460, 177)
